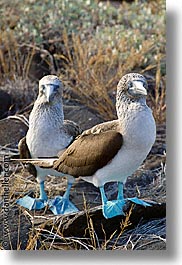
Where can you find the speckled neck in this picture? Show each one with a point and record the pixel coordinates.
(126, 104)
(51, 113)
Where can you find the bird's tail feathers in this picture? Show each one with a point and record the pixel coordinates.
(41, 162)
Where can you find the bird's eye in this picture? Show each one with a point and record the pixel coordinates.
(145, 85)
(43, 88)
(56, 88)
(130, 84)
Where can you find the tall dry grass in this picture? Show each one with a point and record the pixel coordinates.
(158, 100)
(13, 60)
(92, 70)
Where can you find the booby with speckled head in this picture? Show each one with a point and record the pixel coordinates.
(113, 150)
(48, 135)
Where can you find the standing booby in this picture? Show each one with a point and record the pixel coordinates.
(113, 150)
(48, 135)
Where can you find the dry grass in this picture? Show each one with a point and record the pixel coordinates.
(13, 62)
(93, 70)
(158, 100)
(91, 62)
(16, 60)
(89, 67)
(147, 235)
(15, 65)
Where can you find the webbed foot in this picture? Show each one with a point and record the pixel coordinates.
(61, 205)
(34, 203)
(138, 201)
(113, 208)
(31, 203)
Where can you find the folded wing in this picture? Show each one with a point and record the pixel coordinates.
(88, 153)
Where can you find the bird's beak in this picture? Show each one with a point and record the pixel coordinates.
(49, 90)
(138, 89)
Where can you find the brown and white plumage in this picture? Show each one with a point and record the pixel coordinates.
(48, 133)
(90, 152)
(136, 128)
(113, 150)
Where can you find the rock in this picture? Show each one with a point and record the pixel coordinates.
(18, 226)
(38, 67)
(81, 115)
(12, 129)
(79, 224)
(147, 235)
(5, 103)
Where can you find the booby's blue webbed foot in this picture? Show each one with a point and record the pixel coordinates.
(34, 203)
(115, 207)
(138, 201)
(31, 203)
(62, 204)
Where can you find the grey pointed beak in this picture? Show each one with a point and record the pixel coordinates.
(49, 90)
(138, 89)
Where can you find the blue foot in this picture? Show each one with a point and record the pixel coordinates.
(34, 204)
(138, 201)
(31, 203)
(113, 208)
(61, 205)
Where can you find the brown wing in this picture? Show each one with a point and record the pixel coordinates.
(103, 127)
(88, 153)
(72, 129)
(25, 153)
(23, 149)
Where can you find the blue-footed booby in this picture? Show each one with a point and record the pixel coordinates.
(48, 135)
(113, 150)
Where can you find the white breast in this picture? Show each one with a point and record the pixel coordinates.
(46, 137)
(139, 134)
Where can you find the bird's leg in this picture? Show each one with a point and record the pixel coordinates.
(120, 191)
(43, 195)
(67, 192)
(62, 204)
(103, 195)
(34, 203)
(115, 207)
